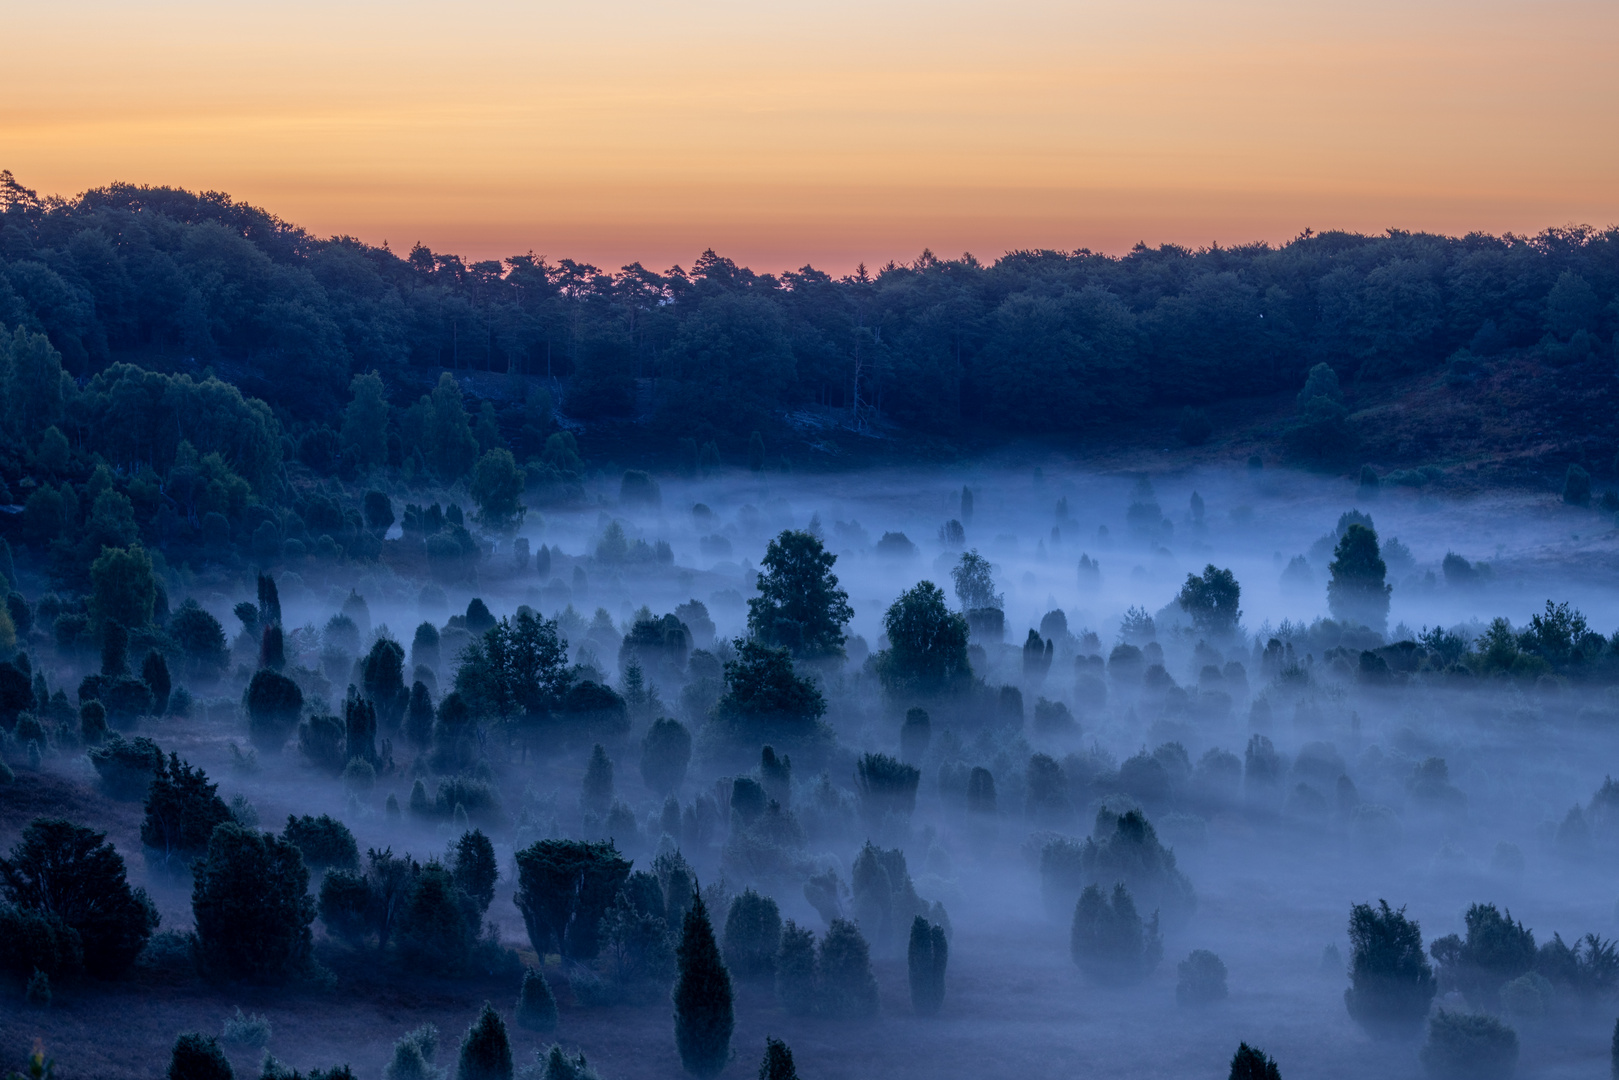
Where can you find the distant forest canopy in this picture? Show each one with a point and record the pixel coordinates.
(1039, 341)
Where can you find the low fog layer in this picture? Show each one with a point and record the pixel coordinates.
(1286, 768)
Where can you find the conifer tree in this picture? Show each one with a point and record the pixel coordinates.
(928, 955)
(536, 1005)
(486, 1052)
(198, 1057)
(778, 1062)
(795, 970)
(1252, 1063)
(704, 1016)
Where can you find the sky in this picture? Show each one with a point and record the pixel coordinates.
(833, 133)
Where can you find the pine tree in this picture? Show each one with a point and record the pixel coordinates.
(778, 1062)
(486, 1052)
(536, 1005)
(1252, 1063)
(928, 955)
(704, 1016)
(752, 935)
(1613, 1052)
(198, 1057)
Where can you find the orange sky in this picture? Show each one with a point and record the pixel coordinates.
(830, 132)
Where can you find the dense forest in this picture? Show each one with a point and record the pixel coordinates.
(168, 281)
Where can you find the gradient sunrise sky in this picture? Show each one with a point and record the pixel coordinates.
(833, 132)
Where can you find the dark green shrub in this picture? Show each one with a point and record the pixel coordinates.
(419, 716)
(155, 674)
(845, 985)
(93, 727)
(74, 875)
(38, 991)
(927, 652)
(926, 960)
(1110, 942)
(1391, 982)
(486, 1052)
(795, 970)
(475, 869)
(1495, 951)
(198, 1057)
(1252, 1063)
(704, 1015)
(778, 1062)
(536, 1005)
(434, 934)
(252, 907)
(325, 842)
(1200, 979)
(345, 905)
(182, 811)
(564, 887)
(1357, 591)
(320, 740)
(800, 606)
(32, 941)
(637, 953)
(752, 936)
(1464, 1046)
(665, 756)
(273, 704)
(382, 678)
(1212, 601)
(413, 1056)
(886, 787)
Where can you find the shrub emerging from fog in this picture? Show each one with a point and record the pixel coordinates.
(1200, 979)
(325, 842)
(557, 1064)
(974, 581)
(536, 1005)
(73, 882)
(435, 934)
(665, 756)
(1125, 848)
(926, 960)
(182, 811)
(198, 1057)
(845, 987)
(765, 698)
(795, 970)
(251, 902)
(564, 887)
(704, 1014)
(1495, 951)
(1212, 601)
(1252, 1063)
(126, 767)
(1110, 942)
(247, 1029)
(1357, 591)
(799, 607)
(486, 1051)
(927, 644)
(1391, 981)
(1463, 1046)
(752, 936)
(273, 704)
(886, 787)
(413, 1056)
(778, 1062)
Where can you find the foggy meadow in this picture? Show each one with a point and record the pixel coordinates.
(1246, 778)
